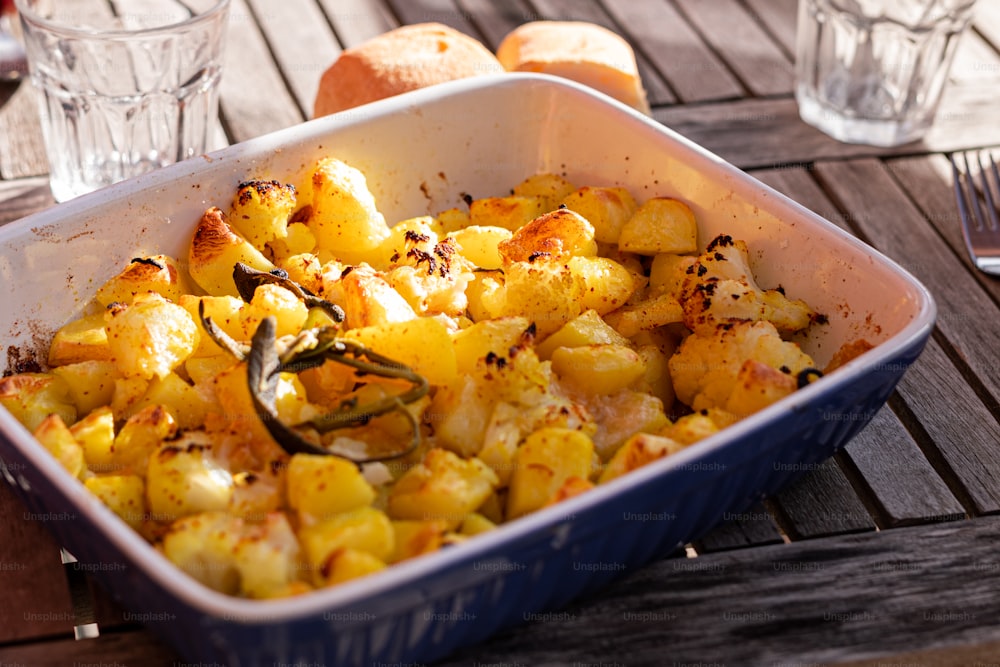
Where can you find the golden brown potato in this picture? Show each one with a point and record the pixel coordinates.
(344, 217)
(151, 337)
(553, 236)
(659, 225)
(156, 273)
(215, 249)
(261, 210)
(31, 397)
(511, 212)
(607, 209)
(552, 188)
(84, 339)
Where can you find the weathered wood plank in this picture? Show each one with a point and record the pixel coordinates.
(439, 11)
(987, 22)
(820, 601)
(496, 18)
(22, 149)
(780, 19)
(748, 50)
(903, 484)
(302, 42)
(976, 61)
(675, 50)
(23, 197)
(128, 648)
(822, 503)
(769, 133)
(961, 429)
(572, 10)
(29, 555)
(253, 97)
(356, 21)
(753, 527)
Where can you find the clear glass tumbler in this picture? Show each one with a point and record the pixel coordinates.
(122, 93)
(872, 71)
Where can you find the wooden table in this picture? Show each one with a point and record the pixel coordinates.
(886, 554)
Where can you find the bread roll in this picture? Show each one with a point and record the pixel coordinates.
(583, 52)
(398, 61)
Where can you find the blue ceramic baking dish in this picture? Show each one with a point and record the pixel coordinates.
(420, 153)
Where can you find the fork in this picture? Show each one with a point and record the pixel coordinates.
(980, 221)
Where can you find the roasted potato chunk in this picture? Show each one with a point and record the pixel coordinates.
(607, 209)
(151, 337)
(156, 273)
(557, 235)
(323, 486)
(215, 249)
(548, 459)
(31, 397)
(442, 487)
(261, 210)
(660, 225)
(84, 339)
(345, 219)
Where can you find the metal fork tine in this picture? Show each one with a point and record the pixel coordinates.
(971, 197)
(978, 211)
(988, 191)
(960, 197)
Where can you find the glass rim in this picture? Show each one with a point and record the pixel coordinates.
(961, 11)
(28, 15)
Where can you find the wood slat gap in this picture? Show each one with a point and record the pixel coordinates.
(793, 536)
(711, 47)
(780, 17)
(346, 16)
(821, 503)
(271, 51)
(764, 70)
(934, 456)
(864, 492)
(34, 639)
(758, 18)
(965, 370)
(494, 18)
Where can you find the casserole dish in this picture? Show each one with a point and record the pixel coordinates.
(421, 152)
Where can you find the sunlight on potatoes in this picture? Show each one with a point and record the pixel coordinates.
(562, 335)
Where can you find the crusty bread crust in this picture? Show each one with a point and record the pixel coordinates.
(404, 59)
(584, 52)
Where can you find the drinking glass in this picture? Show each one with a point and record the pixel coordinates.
(872, 71)
(125, 87)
